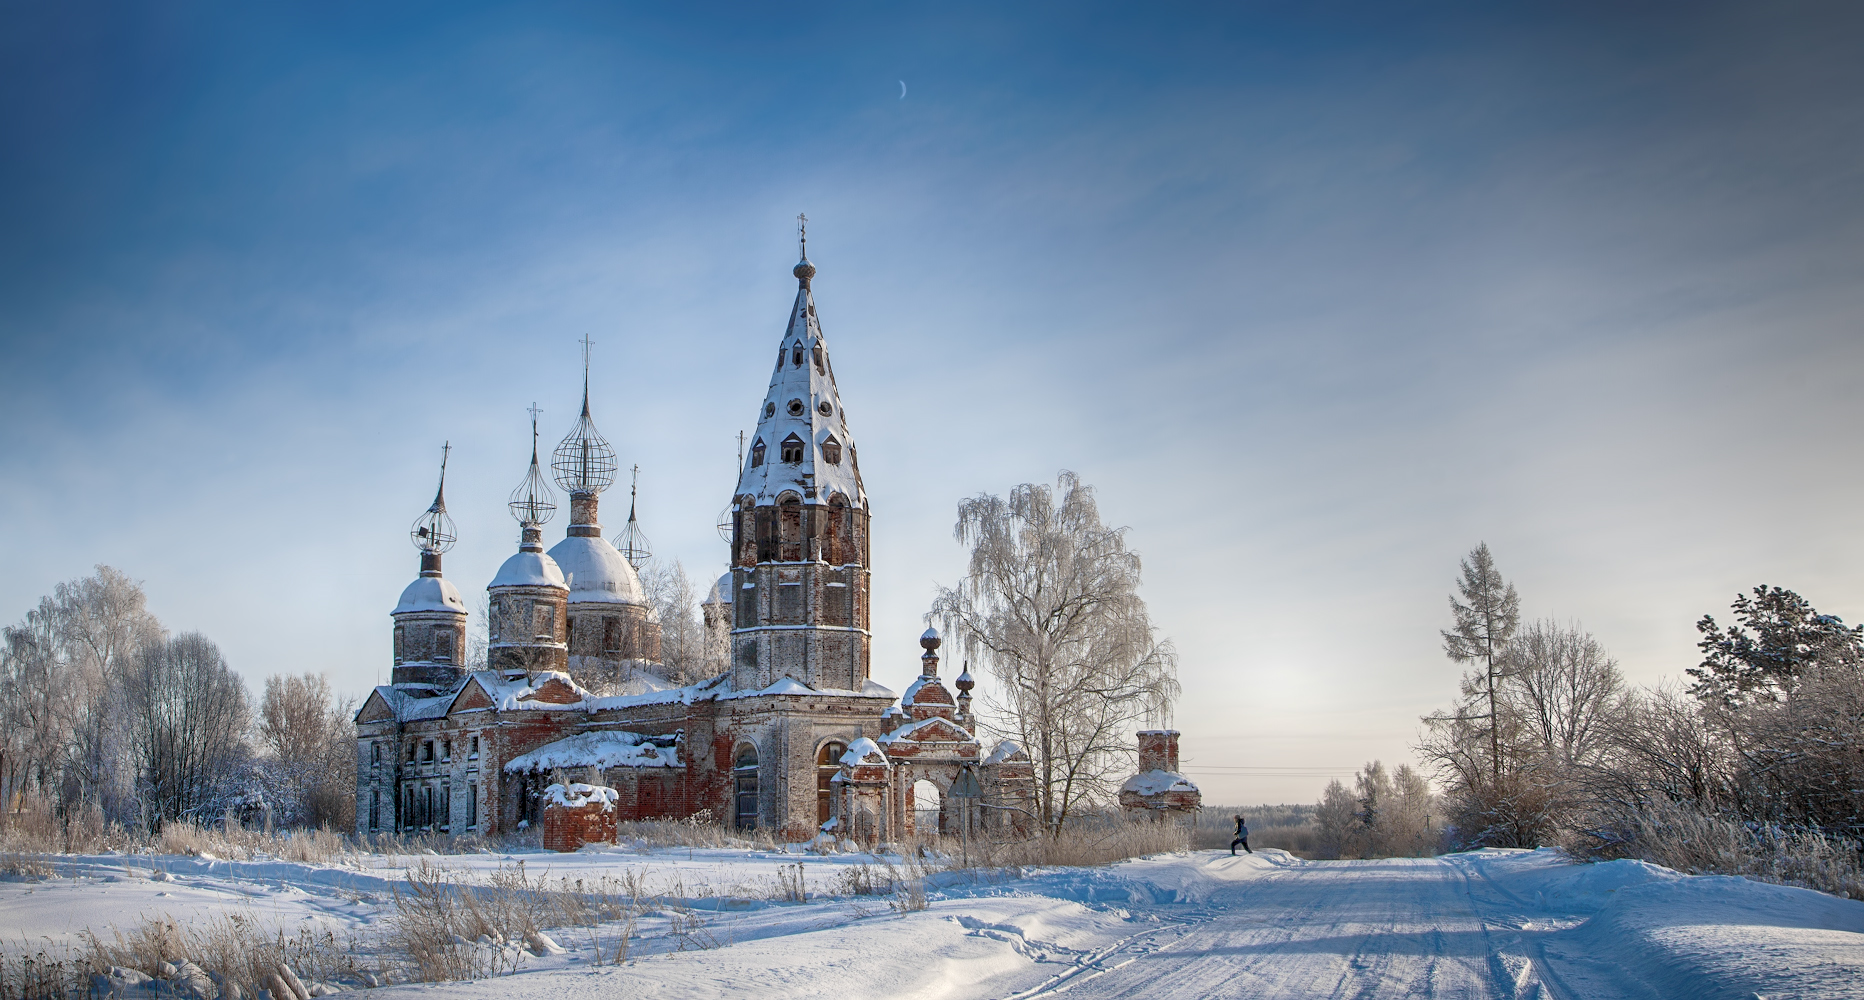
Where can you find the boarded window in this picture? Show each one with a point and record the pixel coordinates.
(545, 623)
(443, 645)
(744, 787)
(397, 644)
(790, 516)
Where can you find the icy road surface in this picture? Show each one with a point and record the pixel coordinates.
(1485, 924)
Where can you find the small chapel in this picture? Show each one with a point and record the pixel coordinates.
(794, 736)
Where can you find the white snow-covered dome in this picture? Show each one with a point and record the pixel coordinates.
(721, 591)
(430, 593)
(596, 572)
(529, 569)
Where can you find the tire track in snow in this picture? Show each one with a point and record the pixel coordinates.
(1345, 930)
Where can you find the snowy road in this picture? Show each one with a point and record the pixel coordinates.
(1491, 924)
(1498, 924)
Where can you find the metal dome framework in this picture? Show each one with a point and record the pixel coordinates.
(532, 503)
(584, 462)
(633, 544)
(433, 532)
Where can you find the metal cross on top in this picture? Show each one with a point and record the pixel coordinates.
(802, 233)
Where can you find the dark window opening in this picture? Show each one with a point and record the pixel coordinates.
(770, 410)
(427, 752)
(472, 805)
(744, 784)
(375, 753)
(757, 453)
(792, 449)
(375, 810)
(831, 451)
(825, 408)
(817, 351)
(611, 635)
(796, 407)
(828, 761)
(796, 354)
(475, 748)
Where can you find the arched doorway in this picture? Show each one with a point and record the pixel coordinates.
(744, 787)
(928, 806)
(828, 761)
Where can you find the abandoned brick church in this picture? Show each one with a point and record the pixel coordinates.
(792, 737)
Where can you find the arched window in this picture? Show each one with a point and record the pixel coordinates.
(927, 808)
(796, 354)
(817, 351)
(744, 786)
(828, 762)
(831, 451)
(792, 449)
(757, 453)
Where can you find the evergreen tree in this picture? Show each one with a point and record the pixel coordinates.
(1485, 619)
(1779, 637)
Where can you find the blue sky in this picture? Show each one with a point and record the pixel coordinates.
(1317, 295)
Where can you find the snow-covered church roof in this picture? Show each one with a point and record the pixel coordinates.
(529, 569)
(803, 410)
(596, 571)
(430, 593)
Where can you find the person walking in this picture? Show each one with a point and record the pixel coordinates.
(1242, 836)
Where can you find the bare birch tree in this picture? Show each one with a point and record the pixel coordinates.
(1051, 608)
(187, 718)
(310, 742)
(682, 635)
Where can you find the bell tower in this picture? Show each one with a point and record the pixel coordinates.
(799, 522)
(430, 618)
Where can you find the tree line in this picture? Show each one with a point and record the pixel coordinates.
(1757, 758)
(106, 718)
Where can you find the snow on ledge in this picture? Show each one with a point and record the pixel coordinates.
(578, 795)
(600, 749)
(1150, 783)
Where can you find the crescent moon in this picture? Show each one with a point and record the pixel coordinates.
(902, 90)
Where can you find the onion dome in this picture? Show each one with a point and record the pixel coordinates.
(433, 531)
(584, 462)
(532, 503)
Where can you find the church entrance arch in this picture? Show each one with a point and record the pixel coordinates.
(928, 808)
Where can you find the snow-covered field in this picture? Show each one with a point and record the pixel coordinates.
(1484, 924)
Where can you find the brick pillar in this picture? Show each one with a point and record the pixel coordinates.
(1158, 750)
(577, 815)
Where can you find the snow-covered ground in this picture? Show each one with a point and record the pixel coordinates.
(1484, 924)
